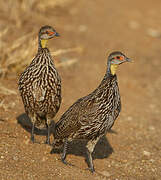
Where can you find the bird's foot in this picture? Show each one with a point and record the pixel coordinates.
(65, 162)
(47, 142)
(33, 139)
(91, 169)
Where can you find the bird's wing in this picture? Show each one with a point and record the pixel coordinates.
(80, 113)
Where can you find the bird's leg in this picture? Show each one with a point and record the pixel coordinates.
(48, 132)
(32, 133)
(33, 120)
(48, 136)
(64, 154)
(90, 147)
(63, 157)
(91, 166)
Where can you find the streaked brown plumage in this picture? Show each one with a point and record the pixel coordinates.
(90, 117)
(40, 85)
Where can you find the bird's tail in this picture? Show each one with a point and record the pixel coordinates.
(40, 121)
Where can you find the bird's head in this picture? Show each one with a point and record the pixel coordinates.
(115, 59)
(46, 33)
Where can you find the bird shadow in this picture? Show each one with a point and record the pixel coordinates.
(26, 124)
(102, 150)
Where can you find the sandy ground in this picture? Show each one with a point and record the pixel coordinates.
(133, 151)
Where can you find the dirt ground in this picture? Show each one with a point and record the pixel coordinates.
(133, 151)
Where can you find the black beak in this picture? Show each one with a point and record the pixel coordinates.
(57, 34)
(128, 59)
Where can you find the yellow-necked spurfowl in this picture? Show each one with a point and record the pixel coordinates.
(40, 85)
(90, 117)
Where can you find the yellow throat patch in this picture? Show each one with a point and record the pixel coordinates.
(44, 43)
(113, 68)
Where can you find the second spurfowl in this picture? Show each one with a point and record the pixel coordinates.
(90, 117)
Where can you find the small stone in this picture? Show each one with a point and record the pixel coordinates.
(27, 141)
(146, 153)
(153, 33)
(151, 128)
(46, 152)
(56, 159)
(2, 157)
(105, 173)
(82, 28)
(129, 118)
(44, 159)
(151, 160)
(134, 25)
(15, 158)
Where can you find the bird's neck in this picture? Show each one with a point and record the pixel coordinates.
(111, 69)
(42, 43)
(107, 81)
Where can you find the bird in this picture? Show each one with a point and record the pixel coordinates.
(92, 116)
(40, 85)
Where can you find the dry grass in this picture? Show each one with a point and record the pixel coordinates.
(17, 50)
(6, 91)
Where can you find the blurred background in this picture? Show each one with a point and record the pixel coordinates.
(89, 31)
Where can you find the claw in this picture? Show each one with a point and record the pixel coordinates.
(32, 139)
(65, 162)
(92, 170)
(47, 141)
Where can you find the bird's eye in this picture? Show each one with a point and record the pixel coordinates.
(49, 32)
(119, 57)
